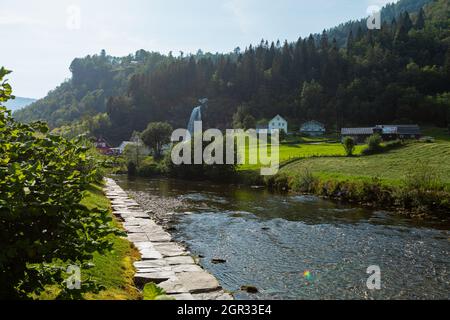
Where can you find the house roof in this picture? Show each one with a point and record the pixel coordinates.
(357, 131)
(400, 129)
(281, 118)
(312, 122)
(262, 126)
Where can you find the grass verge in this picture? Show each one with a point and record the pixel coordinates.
(114, 270)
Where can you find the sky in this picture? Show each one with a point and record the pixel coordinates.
(41, 38)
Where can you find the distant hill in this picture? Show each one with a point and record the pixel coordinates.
(19, 103)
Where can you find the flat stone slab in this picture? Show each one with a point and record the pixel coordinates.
(186, 268)
(153, 270)
(179, 260)
(155, 277)
(150, 264)
(170, 249)
(159, 237)
(199, 282)
(150, 254)
(136, 221)
(173, 286)
(135, 229)
(137, 237)
(144, 245)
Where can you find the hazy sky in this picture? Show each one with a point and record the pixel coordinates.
(41, 38)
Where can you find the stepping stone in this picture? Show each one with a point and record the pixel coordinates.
(137, 237)
(216, 295)
(144, 245)
(159, 237)
(135, 229)
(150, 254)
(137, 221)
(150, 264)
(170, 249)
(199, 282)
(173, 261)
(155, 277)
(186, 268)
(154, 270)
(173, 286)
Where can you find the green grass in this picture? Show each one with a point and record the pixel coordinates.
(114, 270)
(391, 167)
(289, 151)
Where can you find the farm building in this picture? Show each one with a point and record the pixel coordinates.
(313, 128)
(103, 146)
(359, 134)
(392, 132)
(387, 132)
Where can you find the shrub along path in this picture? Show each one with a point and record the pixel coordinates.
(163, 261)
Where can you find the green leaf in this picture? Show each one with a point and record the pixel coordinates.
(153, 292)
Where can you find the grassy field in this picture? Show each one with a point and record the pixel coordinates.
(295, 150)
(113, 270)
(392, 167)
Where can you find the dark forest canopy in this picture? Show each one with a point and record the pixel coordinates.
(347, 76)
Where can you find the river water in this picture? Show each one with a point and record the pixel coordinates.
(301, 247)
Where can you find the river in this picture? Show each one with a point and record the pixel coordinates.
(300, 247)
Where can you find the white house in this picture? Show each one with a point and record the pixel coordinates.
(123, 145)
(278, 123)
(313, 128)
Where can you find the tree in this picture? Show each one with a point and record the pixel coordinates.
(312, 99)
(242, 119)
(43, 227)
(420, 23)
(349, 146)
(156, 136)
(373, 144)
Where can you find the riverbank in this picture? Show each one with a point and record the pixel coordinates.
(163, 262)
(412, 178)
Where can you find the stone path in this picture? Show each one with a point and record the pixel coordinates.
(164, 262)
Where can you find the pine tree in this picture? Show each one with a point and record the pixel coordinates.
(420, 23)
(350, 42)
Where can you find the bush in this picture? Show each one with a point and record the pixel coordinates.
(349, 146)
(373, 145)
(305, 182)
(42, 180)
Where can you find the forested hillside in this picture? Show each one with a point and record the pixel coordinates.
(400, 73)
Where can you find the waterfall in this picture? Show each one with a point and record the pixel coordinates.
(196, 115)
